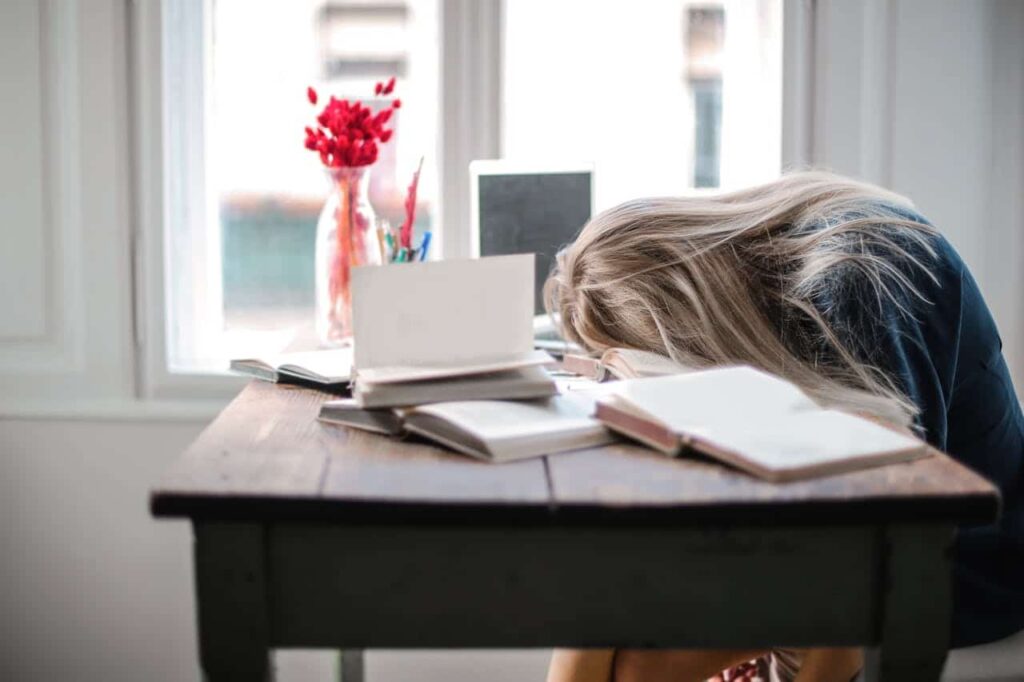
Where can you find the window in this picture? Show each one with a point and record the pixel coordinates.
(705, 36)
(663, 97)
(243, 193)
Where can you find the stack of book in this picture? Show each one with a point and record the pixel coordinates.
(445, 351)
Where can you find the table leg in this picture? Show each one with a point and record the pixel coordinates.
(916, 605)
(234, 626)
(352, 665)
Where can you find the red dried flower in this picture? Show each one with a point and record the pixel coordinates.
(405, 231)
(311, 95)
(397, 104)
(350, 133)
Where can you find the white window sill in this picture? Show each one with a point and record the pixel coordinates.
(159, 410)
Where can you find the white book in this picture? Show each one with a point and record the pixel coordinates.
(448, 330)
(495, 430)
(622, 363)
(519, 383)
(326, 368)
(752, 420)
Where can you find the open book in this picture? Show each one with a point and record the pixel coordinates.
(752, 420)
(330, 369)
(489, 429)
(444, 331)
(622, 363)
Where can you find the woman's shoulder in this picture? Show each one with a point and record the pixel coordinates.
(930, 244)
(893, 264)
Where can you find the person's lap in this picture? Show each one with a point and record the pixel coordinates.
(685, 665)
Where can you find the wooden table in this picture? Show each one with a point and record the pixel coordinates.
(312, 535)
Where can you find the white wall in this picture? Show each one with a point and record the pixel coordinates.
(927, 97)
(93, 589)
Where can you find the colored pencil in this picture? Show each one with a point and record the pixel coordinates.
(425, 245)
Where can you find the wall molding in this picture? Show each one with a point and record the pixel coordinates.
(798, 77)
(852, 87)
(58, 348)
(471, 87)
(84, 352)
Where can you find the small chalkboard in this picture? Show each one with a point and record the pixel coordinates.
(519, 210)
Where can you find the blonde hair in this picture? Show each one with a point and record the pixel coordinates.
(746, 277)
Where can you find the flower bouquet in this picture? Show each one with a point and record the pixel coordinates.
(347, 138)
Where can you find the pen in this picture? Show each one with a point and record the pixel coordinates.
(425, 245)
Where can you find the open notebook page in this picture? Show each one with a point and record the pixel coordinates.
(728, 395)
(333, 365)
(819, 440)
(497, 420)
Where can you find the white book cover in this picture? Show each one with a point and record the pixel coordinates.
(445, 314)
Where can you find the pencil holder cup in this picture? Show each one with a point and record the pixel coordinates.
(345, 238)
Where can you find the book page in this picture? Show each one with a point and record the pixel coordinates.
(495, 420)
(629, 363)
(820, 440)
(333, 364)
(445, 313)
(404, 374)
(728, 395)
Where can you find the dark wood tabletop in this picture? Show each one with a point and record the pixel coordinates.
(266, 457)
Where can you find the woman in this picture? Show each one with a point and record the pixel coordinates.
(844, 289)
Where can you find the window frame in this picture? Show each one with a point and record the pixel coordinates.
(470, 55)
(167, 145)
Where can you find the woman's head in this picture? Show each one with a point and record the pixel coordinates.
(734, 278)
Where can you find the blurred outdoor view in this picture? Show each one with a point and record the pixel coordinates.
(663, 96)
(269, 189)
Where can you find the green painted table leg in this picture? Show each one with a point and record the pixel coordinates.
(234, 627)
(352, 665)
(916, 607)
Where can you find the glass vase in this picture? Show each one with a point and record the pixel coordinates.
(345, 238)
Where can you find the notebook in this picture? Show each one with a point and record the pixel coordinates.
(494, 430)
(321, 369)
(447, 330)
(521, 383)
(622, 363)
(751, 420)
